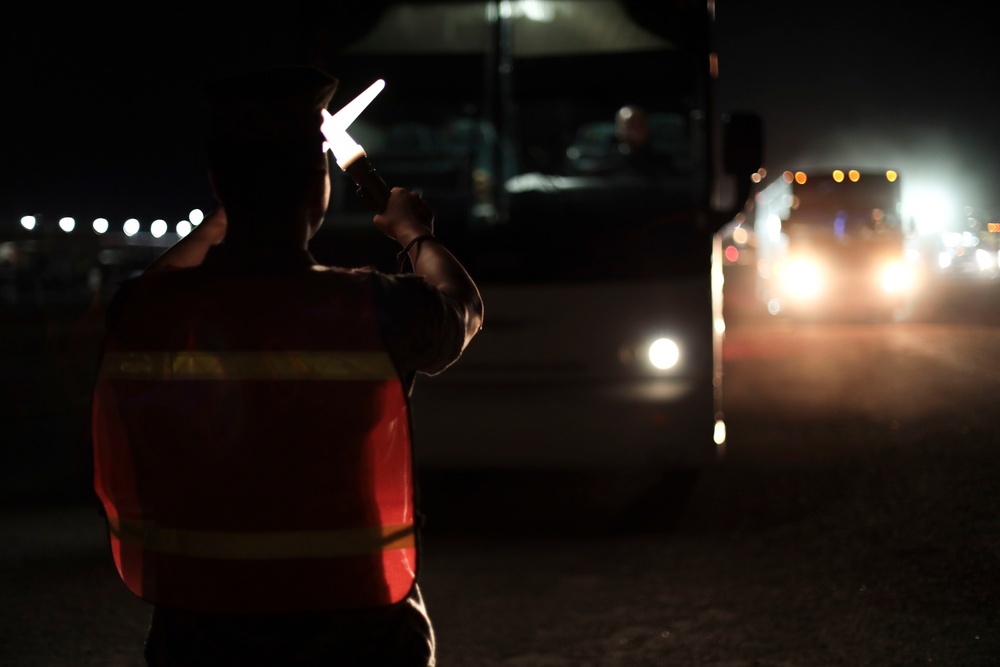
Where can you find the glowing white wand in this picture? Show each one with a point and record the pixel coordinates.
(350, 156)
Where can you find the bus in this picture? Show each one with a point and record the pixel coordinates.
(832, 243)
(602, 289)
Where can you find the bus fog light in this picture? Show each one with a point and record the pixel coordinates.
(664, 353)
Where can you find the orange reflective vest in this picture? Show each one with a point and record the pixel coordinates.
(252, 445)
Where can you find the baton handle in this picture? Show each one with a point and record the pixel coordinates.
(372, 190)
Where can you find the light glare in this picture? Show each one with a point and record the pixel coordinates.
(158, 228)
(131, 227)
(196, 216)
(101, 225)
(719, 435)
(28, 222)
(802, 278)
(67, 224)
(985, 260)
(896, 278)
(932, 209)
(183, 228)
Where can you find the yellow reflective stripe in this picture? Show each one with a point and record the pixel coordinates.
(263, 545)
(289, 365)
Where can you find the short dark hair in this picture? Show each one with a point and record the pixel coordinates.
(265, 143)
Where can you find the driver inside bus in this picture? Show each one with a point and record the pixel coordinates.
(630, 157)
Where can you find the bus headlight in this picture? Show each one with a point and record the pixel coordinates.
(664, 353)
(802, 278)
(897, 277)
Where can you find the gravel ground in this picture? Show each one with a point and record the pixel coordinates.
(885, 554)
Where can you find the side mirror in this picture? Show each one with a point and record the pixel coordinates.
(742, 155)
(742, 144)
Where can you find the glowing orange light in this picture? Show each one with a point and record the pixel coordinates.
(891, 176)
(854, 175)
(788, 177)
(838, 175)
(800, 177)
(755, 177)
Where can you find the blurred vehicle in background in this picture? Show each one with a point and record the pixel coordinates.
(967, 255)
(831, 244)
(739, 242)
(603, 333)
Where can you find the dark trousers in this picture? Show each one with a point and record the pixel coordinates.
(401, 635)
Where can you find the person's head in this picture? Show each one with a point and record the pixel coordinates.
(265, 149)
(631, 128)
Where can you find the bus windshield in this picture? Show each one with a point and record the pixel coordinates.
(504, 116)
(870, 205)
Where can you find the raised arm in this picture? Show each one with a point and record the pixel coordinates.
(410, 221)
(191, 250)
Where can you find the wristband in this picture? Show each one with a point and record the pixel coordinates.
(405, 252)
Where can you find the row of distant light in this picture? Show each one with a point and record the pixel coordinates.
(853, 175)
(131, 227)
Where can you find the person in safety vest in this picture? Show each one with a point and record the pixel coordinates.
(250, 417)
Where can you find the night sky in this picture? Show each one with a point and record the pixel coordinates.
(104, 113)
(880, 84)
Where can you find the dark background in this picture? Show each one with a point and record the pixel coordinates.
(104, 114)
(884, 84)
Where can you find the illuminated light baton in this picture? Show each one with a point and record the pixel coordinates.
(350, 156)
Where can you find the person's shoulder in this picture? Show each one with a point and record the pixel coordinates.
(141, 285)
(358, 276)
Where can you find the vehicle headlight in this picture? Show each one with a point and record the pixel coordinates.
(664, 353)
(897, 277)
(985, 260)
(802, 278)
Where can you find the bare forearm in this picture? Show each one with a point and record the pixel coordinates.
(410, 221)
(435, 263)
